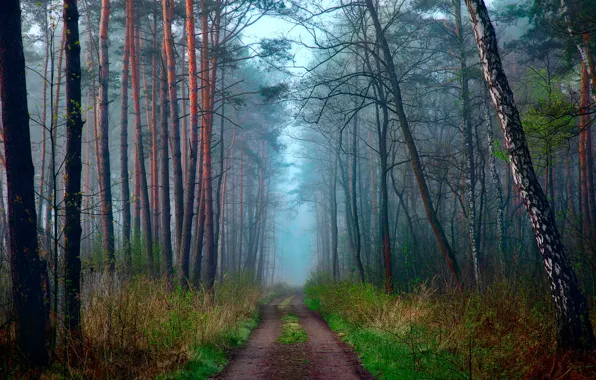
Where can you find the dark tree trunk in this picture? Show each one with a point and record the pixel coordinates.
(124, 178)
(189, 194)
(411, 145)
(164, 175)
(333, 217)
(356, 217)
(28, 270)
(574, 329)
(140, 156)
(72, 173)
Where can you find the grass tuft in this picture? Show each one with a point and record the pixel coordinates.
(292, 331)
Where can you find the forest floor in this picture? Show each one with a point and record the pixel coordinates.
(278, 350)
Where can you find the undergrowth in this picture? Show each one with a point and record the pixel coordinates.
(505, 332)
(143, 328)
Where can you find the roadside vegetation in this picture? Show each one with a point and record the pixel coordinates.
(504, 332)
(147, 328)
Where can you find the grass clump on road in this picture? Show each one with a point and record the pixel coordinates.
(292, 332)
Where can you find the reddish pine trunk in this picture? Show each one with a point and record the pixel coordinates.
(189, 194)
(168, 9)
(104, 148)
(28, 270)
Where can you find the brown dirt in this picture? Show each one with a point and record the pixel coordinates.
(323, 356)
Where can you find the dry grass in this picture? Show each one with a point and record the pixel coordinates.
(144, 327)
(506, 331)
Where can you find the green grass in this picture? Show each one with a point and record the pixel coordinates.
(292, 332)
(208, 360)
(386, 350)
(388, 356)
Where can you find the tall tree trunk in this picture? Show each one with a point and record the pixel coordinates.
(468, 144)
(142, 173)
(154, 157)
(584, 157)
(333, 217)
(492, 164)
(574, 329)
(222, 204)
(175, 125)
(73, 169)
(261, 268)
(42, 166)
(240, 210)
(104, 153)
(52, 186)
(164, 168)
(28, 269)
(124, 177)
(184, 126)
(207, 84)
(411, 145)
(189, 194)
(356, 217)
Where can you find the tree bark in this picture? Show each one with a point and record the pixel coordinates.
(140, 156)
(468, 144)
(207, 84)
(492, 164)
(574, 329)
(164, 168)
(28, 269)
(356, 217)
(333, 217)
(189, 194)
(175, 124)
(124, 177)
(72, 173)
(104, 147)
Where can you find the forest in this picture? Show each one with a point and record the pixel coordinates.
(297, 189)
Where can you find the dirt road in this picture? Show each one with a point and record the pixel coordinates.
(322, 356)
